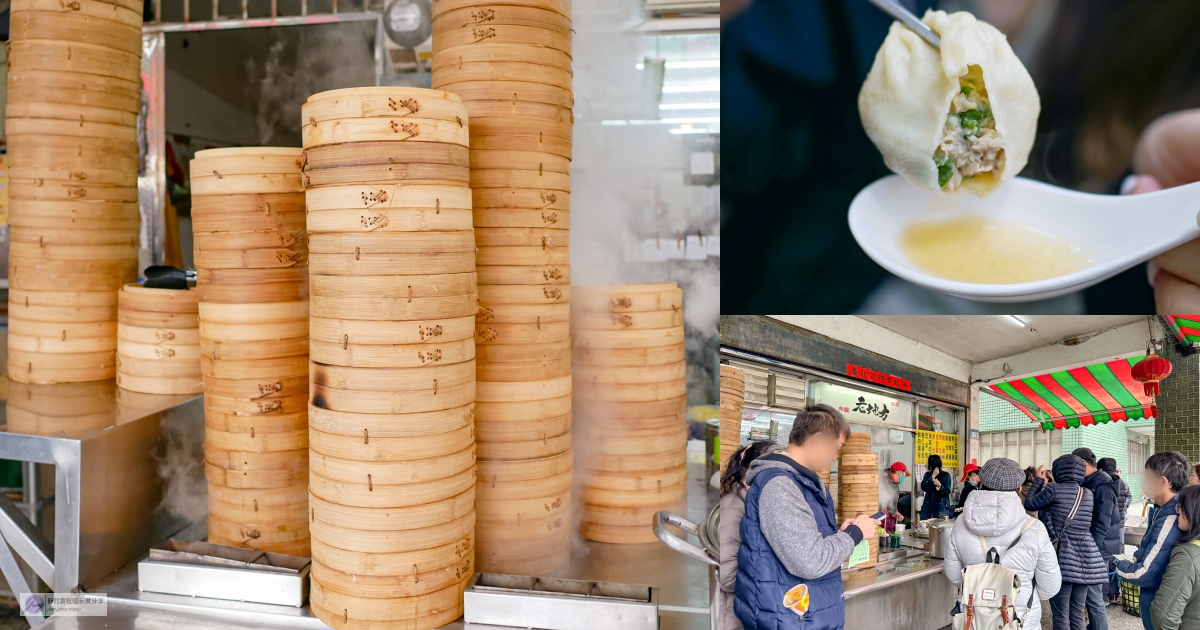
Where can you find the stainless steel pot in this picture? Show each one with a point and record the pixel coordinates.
(939, 538)
(709, 551)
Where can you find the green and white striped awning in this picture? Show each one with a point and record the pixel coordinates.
(1082, 396)
(1186, 328)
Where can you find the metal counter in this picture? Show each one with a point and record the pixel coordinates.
(910, 593)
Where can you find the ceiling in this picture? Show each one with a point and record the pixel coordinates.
(977, 338)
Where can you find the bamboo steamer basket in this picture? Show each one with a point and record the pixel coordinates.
(115, 29)
(249, 240)
(521, 198)
(522, 411)
(350, 612)
(392, 356)
(65, 211)
(255, 293)
(555, 134)
(520, 160)
(552, 256)
(630, 392)
(521, 237)
(254, 462)
(74, 88)
(391, 449)
(253, 313)
(513, 91)
(277, 405)
(614, 464)
(72, 128)
(501, 34)
(91, 175)
(254, 277)
(496, 493)
(368, 426)
(518, 513)
(169, 354)
(253, 536)
(639, 481)
(206, 222)
(553, 352)
(251, 258)
(379, 586)
(532, 274)
(246, 161)
(136, 297)
(59, 345)
(541, 16)
(258, 424)
(523, 391)
(241, 350)
(632, 442)
(36, 301)
(360, 196)
(350, 539)
(619, 339)
(549, 332)
(64, 56)
(60, 330)
(457, 56)
(518, 473)
(372, 264)
(77, 114)
(407, 129)
(389, 220)
(617, 357)
(508, 178)
(520, 217)
(257, 442)
(413, 174)
(364, 154)
(294, 548)
(670, 372)
(523, 294)
(544, 447)
(252, 368)
(46, 368)
(402, 287)
(350, 332)
(73, 191)
(39, 221)
(266, 183)
(383, 102)
(523, 313)
(263, 388)
(487, 113)
(249, 207)
(398, 472)
(393, 309)
(368, 494)
(639, 534)
(247, 513)
(640, 411)
(393, 563)
(503, 431)
(73, 252)
(392, 379)
(375, 402)
(443, 6)
(49, 236)
(523, 371)
(551, 137)
(611, 299)
(71, 152)
(646, 320)
(375, 243)
(284, 329)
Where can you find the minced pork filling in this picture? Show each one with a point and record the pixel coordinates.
(970, 145)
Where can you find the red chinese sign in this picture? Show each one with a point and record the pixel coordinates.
(867, 374)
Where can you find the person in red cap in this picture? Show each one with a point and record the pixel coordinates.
(971, 481)
(889, 494)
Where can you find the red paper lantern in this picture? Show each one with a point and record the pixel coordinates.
(1149, 371)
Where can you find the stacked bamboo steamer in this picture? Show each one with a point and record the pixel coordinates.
(733, 396)
(631, 396)
(158, 340)
(252, 284)
(511, 63)
(74, 92)
(858, 483)
(392, 441)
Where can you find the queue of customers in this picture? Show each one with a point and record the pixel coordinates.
(1059, 531)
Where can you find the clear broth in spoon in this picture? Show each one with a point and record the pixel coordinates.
(977, 250)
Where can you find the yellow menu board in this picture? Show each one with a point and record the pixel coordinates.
(944, 445)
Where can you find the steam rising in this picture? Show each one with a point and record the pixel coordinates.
(181, 467)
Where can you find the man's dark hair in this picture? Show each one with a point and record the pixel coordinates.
(1086, 455)
(1030, 475)
(818, 419)
(1172, 465)
(1189, 504)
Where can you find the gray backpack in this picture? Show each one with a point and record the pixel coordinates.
(988, 595)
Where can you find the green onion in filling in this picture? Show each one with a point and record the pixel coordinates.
(945, 171)
(966, 90)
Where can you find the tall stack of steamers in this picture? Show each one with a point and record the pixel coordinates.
(511, 64)
(252, 281)
(73, 97)
(393, 363)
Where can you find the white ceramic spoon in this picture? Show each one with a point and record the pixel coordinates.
(1117, 232)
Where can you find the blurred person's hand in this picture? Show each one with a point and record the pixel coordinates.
(1168, 155)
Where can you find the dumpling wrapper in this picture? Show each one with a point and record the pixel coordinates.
(906, 97)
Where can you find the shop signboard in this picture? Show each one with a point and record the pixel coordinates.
(944, 445)
(866, 407)
(879, 378)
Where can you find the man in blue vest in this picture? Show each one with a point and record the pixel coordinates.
(789, 533)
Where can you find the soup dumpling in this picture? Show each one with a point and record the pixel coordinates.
(959, 119)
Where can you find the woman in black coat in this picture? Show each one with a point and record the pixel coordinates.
(1079, 559)
(936, 486)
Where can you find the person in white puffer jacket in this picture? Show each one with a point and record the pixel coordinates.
(996, 513)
